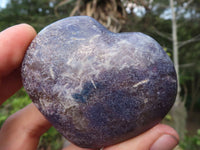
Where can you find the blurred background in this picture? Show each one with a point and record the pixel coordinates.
(175, 24)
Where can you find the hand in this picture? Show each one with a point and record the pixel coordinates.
(22, 130)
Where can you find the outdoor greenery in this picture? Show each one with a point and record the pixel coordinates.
(155, 20)
(50, 139)
(191, 142)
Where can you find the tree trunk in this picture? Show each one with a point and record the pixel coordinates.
(178, 111)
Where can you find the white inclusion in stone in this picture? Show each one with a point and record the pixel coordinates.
(140, 83)
(52, 73)
(145, 100)
(93, 84)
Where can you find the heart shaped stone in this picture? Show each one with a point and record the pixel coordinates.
(96, 87)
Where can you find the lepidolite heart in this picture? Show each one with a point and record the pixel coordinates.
(96, 87)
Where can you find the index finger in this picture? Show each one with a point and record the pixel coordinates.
(13, 44)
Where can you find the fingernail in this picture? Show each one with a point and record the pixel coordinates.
(165, 142)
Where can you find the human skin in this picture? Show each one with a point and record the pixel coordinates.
(23, 129)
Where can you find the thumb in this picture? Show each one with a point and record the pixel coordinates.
(160, 137)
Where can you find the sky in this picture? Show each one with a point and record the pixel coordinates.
(3, 3)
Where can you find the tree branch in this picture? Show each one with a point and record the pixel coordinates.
(76, 8)
(188, 3)
(194, 39)
(186, 65)
(60, 4)
(164, 35)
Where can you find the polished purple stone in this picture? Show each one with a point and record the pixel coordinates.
(96, 87)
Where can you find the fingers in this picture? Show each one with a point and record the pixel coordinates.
(23, 129)
(13, 44)
(9, 85)
(160, 137)
(74, 147)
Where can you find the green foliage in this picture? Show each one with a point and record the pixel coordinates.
(168, 117)
(13, 104)
(36, 13)
(167, 51)
(191, 142)
(51, 139)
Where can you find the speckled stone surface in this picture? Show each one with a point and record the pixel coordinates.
(96, 87)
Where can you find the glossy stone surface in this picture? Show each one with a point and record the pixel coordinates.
(96, 87)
